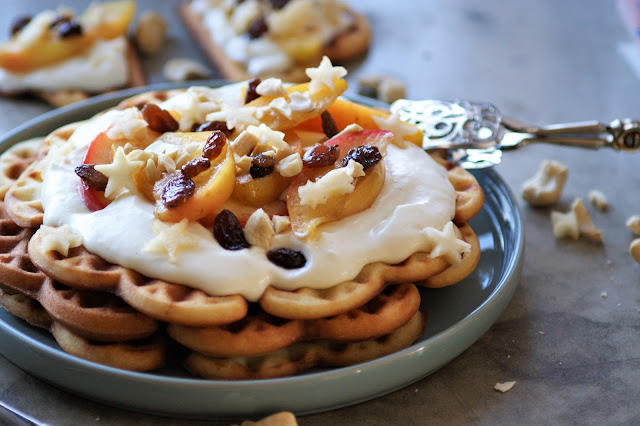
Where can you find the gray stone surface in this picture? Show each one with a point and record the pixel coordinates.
(545, 61)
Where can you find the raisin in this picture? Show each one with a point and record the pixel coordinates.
(210, 126)
(228, 231)
(328, 124)
(69, 29)
(59, 20)
(159, 119)
(279, 4)
(213, 146)
(367, 155)
(251, 90)
(19, 24)
(93, 178)
(177, 190)
(262, 165)
(194, 167)
(287, 258)
(321, 155)
(257, 28)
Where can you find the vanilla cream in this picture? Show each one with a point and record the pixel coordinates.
(416, 197)
(104, 66)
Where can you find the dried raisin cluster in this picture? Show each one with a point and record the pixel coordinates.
(179, 188)
(367, 155)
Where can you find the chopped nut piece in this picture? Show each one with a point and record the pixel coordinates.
(598, 199)
(245, 143)
(575, 223)
(634, 250)
(290, 165)
(504, 387)
(384, 87)
(336, 182)
(280, 223)
(271, 87)
(181, 69)
(243, 164)
(391, 89)
(545, 187)
(258, 230)
(633, 223)
(150, 32)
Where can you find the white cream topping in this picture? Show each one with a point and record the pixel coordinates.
(416, 196)
(103, 66)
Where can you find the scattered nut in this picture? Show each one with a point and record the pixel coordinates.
(258, 230)
(598, 199)
(290, 165)
(243, 164)
(633, 223)
(575, 223)
(283, 418)
(545, 187)
(181, 69)
(244, 143)
(150, 32)
(379, 86)
(504, 387)
(634, 250)
(280, 223)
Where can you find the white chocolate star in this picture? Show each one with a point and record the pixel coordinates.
(235, 117)
(59, 238)
(120, 173)
(393, 124)
(447, 244)
(170, 238)
(324, 75)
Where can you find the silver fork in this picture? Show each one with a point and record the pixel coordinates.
(474, 134)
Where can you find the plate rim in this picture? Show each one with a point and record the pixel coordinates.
(492, 306)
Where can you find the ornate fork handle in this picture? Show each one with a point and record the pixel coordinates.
(459, 124)
(622, 135)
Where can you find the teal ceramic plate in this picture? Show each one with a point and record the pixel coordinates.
(457, 317)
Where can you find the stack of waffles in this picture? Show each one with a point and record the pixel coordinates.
(115, 316)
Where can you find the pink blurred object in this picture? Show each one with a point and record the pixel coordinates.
(630, 13)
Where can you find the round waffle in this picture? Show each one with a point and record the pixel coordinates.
(102, 311)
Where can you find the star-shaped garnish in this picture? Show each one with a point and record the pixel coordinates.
(235, 117)
(59, 238)
(324, 75)
(446, 244)
(393, 124)
(120, 174)
(170, 239)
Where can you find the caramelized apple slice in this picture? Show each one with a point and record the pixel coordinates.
(317, 102)
(212, 187)
(305, 218)
(345, 112)
(101, 21)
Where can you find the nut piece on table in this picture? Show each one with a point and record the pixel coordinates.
(634, 250)
(181, 69)
(283, 418)
(150, 32)
(633, 223)
(383, 87)
(546, 186)
(598, 199)
(575, 223)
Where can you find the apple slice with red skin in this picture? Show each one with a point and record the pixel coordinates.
(304, 218)
(99, 151)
